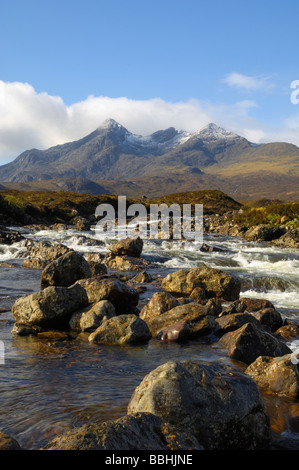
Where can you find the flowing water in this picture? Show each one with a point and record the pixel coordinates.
(52, 383)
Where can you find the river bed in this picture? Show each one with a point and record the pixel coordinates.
(52, 383)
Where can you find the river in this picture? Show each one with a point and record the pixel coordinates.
(52, 383)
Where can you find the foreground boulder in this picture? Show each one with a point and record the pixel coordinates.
(89, 319)
(122, 329)
(217, 403)
(278, 375)
(216, 283)
(65, 270)
(123, 297)
(249, 342)
(128, 246)
(140, 431)
(50, 308)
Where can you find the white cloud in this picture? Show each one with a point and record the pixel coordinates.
(38, 120)
(248, 83)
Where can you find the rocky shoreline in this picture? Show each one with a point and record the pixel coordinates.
(219, 404)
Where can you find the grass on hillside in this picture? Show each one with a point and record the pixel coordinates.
(285, 213)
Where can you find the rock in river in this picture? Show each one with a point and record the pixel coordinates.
(51, 307)
(65, 270)
(218, 404)
(215, 282)
(122, 329)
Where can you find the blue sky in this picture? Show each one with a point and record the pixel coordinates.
(66, 65)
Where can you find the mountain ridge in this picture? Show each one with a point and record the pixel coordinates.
(111, 153)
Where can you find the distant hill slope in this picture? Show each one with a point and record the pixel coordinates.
(113, 160)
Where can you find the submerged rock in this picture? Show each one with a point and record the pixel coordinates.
(140, 431)
(122, 329)
(215, 282)
(8, 443)
(218, 404)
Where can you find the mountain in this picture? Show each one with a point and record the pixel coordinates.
(111, 158)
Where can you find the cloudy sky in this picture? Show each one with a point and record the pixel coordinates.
(67, 65)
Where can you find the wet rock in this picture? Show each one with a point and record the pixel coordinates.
(86, 241)
(81, 223)
(253, 304)
(289, 331)
(198, 295)
(218, 404)
(34, 263)
(249, 342)
(123, 297)
(215, 282)
(25, 330)
(8, 443)
(278, 375)
(96, 263)
(234, 321)
(8, 237)
(122, 329)
(178, 332)
(140, 431)
(125, 263)
(210, 249)
(196, 316)
(40, 254)
(142, 277)
(89, 319)
(264, 233)
(50, 308)
(289, 240)
(65, 270)
(159, 303)
(128, 246)
(269, 317)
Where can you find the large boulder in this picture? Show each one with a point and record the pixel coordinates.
(249, 342)
(196, 316)
(278, 375)
(65, 270)
(128, 246)
(90, 318)
(159, 303)
(51, 307)
(217, 403)
(140, 431)
(215, 282)
(122, 329)
(123, 297)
